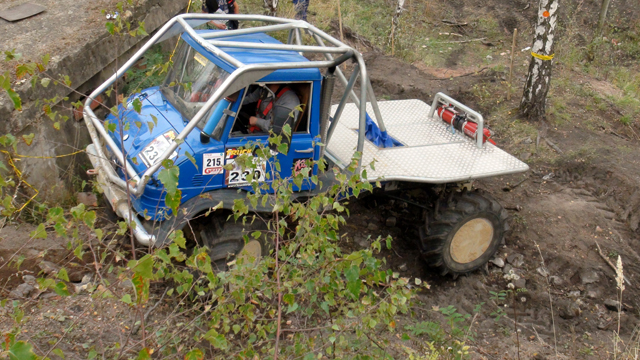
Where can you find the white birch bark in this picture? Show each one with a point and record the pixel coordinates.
(534, 97)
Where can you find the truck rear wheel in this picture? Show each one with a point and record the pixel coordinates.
(464, 233)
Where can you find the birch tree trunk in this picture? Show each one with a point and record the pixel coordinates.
(603, 16)
(534, 97)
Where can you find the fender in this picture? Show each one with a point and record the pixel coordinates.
(196, 205)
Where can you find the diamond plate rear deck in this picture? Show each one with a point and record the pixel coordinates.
(432, 154)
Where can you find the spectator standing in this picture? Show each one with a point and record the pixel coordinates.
(301, 9)
(221, 7)
(229, 7)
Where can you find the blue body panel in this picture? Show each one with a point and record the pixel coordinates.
(253, 56)
(197, 179)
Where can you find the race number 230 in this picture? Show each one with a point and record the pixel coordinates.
(240, 177)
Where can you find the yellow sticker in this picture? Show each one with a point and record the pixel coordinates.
(201, 59)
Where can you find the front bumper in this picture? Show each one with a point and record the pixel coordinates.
(118, 198)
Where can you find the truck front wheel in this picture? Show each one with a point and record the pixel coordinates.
(225, 239)
(464, 232)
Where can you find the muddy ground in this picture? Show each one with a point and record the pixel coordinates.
(583, 189)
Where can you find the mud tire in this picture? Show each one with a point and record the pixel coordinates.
(467, 211)
(225, 240)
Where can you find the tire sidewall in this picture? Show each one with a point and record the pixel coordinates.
(498, 234)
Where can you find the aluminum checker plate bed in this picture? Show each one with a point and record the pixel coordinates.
(432, 153)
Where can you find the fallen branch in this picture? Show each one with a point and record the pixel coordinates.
(453, 23)
(463, 75)
(610, 263)
(452, 34)
(509, 188)
(554, 146)
(461, 41)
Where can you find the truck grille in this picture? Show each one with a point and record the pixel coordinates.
(197, 180)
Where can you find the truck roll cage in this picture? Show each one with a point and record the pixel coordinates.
(244, 74)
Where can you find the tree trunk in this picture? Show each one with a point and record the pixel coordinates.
(534, 97)
(603, 16)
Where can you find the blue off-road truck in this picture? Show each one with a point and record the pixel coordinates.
(197, 117)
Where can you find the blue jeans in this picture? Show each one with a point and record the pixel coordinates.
(301, 9)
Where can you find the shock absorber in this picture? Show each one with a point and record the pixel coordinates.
(460, 122)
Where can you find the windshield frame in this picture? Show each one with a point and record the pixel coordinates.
(191, 80)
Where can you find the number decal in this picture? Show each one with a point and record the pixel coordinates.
(212, 163)
(237, 176)
(151, 154)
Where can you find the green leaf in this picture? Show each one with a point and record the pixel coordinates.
(28, 139)
(111, 27)
(61, 289)
(141, 31)
(217, 340)
(195, 354)
(126, 299)
(11, 54)
(178, 238)
(286, 129)
(289, 298)
(22, 351)
(144, 267)
(169, 177)
(292, 308)
(23, 70)
(58, 352)
(236, 328)
(15, 98)
(191, 158)
(173, 201)
(283, 148)
(39, 232)
(137, 106)
(56, 125)
(89, 218)
(62, 274)
(45, 82)
(144, 354)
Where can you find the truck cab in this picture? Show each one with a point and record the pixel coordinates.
(194, 75)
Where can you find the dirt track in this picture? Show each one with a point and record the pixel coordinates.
(566, 203)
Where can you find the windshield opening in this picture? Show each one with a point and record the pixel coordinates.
(191, 81)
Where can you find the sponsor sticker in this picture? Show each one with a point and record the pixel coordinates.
(298, 165)
(150, 155)
(237, 176)
(212, 164)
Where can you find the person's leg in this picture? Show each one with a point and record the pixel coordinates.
(301, 9)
